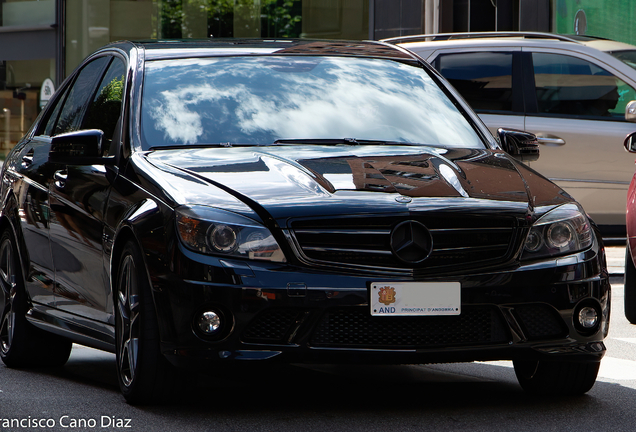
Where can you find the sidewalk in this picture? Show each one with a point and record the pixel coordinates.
(615, 260)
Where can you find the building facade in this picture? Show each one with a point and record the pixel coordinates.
(41, 42)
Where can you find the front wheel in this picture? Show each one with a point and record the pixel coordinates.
(556, 377)
(144, 374)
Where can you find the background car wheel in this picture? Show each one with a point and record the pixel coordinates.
(630, 287)
(556, 377)
(144, 374)
(21, 344)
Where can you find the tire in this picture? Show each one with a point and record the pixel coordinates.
(630, 287)
(144, 374)
(21, 344)
(556, 377)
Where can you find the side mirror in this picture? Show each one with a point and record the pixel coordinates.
(82, 147)
(630, 111)
(630, 142)
(521, 145)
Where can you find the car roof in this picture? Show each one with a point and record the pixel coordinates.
(609, 45)
(509, 39)
(170, 49)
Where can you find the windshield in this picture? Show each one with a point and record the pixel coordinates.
(263, 100)
(627, 56)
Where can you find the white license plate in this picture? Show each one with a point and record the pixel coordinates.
(415, 298)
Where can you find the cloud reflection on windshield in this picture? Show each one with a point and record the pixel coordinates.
(251, 100)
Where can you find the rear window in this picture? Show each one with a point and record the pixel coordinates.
(258, 100)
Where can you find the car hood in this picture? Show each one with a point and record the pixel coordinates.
(288, 181)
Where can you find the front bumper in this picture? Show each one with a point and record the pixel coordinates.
(275, 312)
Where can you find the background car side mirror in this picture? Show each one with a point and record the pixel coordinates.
(630, 111)
(521, 145)
(83, 147)
(630, 142)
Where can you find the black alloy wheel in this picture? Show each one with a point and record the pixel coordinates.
(11, 304)
(21, 344)
(144, 374)
(128, 320)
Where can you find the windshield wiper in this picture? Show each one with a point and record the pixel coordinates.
(339, 141)
(292, 141)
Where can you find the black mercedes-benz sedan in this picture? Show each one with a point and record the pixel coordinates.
(201, 203)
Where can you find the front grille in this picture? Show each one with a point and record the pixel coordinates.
(355, 328)
(365, 241)
(540, 321)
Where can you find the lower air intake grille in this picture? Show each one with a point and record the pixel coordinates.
(354, 327)
(272, 326)
(540, 321)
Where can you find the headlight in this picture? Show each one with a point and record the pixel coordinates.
(219, 232)
(561, 231)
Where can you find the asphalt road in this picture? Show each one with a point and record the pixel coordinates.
(83, 395)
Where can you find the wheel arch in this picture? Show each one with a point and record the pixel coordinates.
(135, 226)
(147, 225)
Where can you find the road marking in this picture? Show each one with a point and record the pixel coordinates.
(630, 340)
(617, 369)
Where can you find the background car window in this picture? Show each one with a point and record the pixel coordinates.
(82, 91)
(104, 111)
(484, 79)
(571, 86)
(626, 56)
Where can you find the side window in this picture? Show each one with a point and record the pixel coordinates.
(82, 91)
(48, 127)
(484, 79)
(571, 86)
(105, 109)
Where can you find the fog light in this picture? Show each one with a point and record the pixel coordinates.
(209, 322)
(588, 317)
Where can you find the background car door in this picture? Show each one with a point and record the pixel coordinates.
(78, 194)
(579, 118)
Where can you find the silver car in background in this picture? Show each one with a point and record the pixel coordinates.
(573, 92)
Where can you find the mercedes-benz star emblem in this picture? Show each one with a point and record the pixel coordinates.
(411, 242)
(403, 199)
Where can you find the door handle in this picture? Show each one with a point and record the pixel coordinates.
(60, 178)
(550, 142)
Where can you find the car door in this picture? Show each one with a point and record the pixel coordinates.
(78, 193)
(489, 79)
(29, 174)
(576, 107)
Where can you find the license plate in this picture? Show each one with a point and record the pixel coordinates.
(415, 298)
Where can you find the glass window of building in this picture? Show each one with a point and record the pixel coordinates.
(91, 24)
(27, 60)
